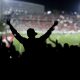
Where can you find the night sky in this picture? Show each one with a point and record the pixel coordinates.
(67, 5)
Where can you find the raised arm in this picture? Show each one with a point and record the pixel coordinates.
(55, 42)
(15, 33)
(48, 33)
(52, 40)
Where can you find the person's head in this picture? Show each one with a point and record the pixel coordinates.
(31, 33)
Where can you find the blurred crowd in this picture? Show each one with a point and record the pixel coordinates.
(68, 21)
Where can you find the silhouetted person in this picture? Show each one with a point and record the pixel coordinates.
(58, 45)
(4, 58)
(32, 45)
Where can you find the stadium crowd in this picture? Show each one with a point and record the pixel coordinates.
(37, 51)
(68, 21)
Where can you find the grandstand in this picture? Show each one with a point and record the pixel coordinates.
(43, 22)
(30, 15)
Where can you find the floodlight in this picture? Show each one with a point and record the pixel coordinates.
(49, 12)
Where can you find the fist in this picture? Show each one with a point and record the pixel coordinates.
(55, 23)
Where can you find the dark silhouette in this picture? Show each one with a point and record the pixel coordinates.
(58, 45)
(8, 55)
(37, 51)
(32, 44)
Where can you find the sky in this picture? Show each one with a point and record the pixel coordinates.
(67, 5)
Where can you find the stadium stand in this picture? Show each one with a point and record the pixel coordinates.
(44, 22)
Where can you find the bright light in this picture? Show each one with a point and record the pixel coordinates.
(10, 57)
(49, 12)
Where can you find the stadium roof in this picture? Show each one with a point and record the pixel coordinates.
(58, 4)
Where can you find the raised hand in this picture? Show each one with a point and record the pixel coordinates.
(53, 26)
(55, 23)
